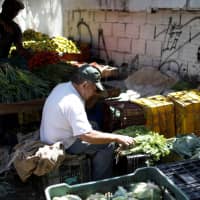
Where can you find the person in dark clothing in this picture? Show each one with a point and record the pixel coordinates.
(10, 32)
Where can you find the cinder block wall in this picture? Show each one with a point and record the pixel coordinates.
(164, 38)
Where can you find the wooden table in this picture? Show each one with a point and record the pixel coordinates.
(22, 106)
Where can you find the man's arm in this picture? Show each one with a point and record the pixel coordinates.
(97, 137)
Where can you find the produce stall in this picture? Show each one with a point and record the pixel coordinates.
(25, 84)
(154, 121)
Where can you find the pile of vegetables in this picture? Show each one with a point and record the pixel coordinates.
(38, 41)
(20, 85)
(133, 131)
(64, 45)
(43, 58)
(135, 191)
(30, 34)
(55, 73)
(183, 85)
(140, 191)
(146, 142)
(187, 146)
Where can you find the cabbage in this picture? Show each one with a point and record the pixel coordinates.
(67, 197)
(146, 191)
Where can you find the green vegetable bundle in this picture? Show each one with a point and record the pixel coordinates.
(55, 73)
(146, 142)
(138, 191)
(20, 85)
(183, 85)
(187, 146)
(133, 131)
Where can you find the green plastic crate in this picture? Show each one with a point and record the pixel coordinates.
(170, 190)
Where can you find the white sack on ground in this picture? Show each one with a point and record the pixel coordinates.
(149, 81)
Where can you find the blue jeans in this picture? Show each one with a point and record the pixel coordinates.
(102, 156)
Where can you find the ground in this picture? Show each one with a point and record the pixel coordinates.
(12, 188)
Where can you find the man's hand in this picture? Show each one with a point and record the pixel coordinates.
(125, 140)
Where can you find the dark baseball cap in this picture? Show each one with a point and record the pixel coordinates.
(92, 74)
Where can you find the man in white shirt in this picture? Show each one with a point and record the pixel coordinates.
(64, 119)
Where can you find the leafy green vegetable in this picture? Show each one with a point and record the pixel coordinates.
(146, 191)
(55, 73)
(183, 85)
(186, 145)
(20, 85)
(147, 142)
(133, 131)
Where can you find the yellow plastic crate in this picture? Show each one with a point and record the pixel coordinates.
(187, 111)
(159, 112)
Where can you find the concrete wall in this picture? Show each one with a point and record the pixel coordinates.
(159, 33)
(163, 38)
(130, 5)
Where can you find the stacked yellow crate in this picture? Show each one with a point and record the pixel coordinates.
(187, 111)
(159, 112)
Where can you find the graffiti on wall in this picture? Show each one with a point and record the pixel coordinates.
(174, 41)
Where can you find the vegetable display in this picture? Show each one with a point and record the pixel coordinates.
(43, 58)
(183, 85)
(135, 191)
(38, 41)
(55, 73)
(146, 141)
(20, 85)
(187, 146)
(30, 34)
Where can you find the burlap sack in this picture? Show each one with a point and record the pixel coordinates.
(24, 158)
(35, 157)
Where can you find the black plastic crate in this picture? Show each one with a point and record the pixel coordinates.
(186, 175)
(120, 114)
(136, 161)
(128, 164)
(76, 169)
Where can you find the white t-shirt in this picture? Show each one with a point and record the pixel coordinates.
(63, 117)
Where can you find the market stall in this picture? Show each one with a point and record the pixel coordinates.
(150, 95)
